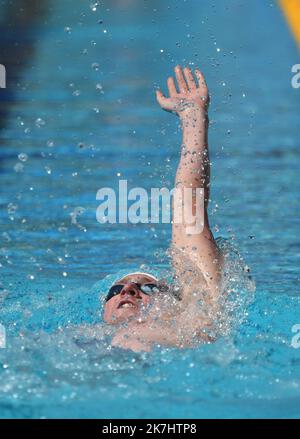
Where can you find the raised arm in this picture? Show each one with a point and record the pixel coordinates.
(193, 239)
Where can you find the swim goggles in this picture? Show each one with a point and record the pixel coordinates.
(145, 288)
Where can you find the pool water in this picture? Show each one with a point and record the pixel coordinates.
(78, 114)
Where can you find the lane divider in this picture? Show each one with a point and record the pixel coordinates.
(291, 10)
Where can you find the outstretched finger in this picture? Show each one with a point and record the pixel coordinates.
(160, 96)
(189, 78)
(180, 79)
(201, 79)
(171, 87)
(162, 100)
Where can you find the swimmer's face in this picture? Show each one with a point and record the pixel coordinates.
(130, 301)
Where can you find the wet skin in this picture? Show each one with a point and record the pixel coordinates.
(167, 324)
(130, 302)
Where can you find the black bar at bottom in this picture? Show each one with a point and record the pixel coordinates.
(102, 428)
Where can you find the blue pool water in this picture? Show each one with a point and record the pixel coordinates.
(79, 114)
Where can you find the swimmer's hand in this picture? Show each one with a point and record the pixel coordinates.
(192, 96)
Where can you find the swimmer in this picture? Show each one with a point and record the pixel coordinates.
(146, 310)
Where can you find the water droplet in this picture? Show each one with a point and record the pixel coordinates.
(6, 236)
(99, 87)
(11, 209)
(95, 66)
(94, 6)
(23, 157)
(19, 167)
(39, 122)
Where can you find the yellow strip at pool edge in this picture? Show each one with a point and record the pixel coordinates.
(291, 9)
